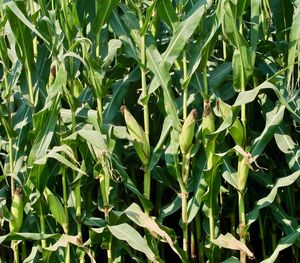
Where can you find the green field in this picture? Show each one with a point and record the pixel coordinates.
(149, 131)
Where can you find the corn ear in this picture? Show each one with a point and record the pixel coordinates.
(140, 142)
(208, 120)
(243, 170)
(236, 130)
(52, 75)
(208, 127)
(56, 208)
(187, 132)
(16, 212)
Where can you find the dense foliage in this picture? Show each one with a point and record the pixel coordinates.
(159, 130)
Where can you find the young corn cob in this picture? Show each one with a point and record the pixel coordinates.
(187, 132)
(56, 208)
(243, 170)
(140, 143)
(16, 212)
(52, 75)
(208, 127)
(236, 129)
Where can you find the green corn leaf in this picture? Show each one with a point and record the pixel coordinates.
(32, 256)
(200, 49)
(283, 243)
(170, 208)
(266, 201)
(182, 33)
(127, 233)
(120, 90)
(157, 152)
(171, 154)
(287, 145)
(149, 13)
(288, 222)
(231, 260)
(273, 120)
(248, 96)
(167, 12)
(122, 32)
(147, 205)
(26, 236)
(19, 14)
(230, 242)
(241, 61)
(103, 11)
(135, 214)
(293, 43)
(200, 188)
(21, 32)
(159, 68)
(45, 135)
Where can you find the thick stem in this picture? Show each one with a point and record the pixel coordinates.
(211, 232)
(15, 248)
(98, 45)
(10, 140)
(65, 200)
(211, 213)
(193, 246)
(24, 251)
(242, 174)
(65, 194)
(211, 224)
(184, 87)
(31, 3)
(242, 221)
(261, 232)
(99, 110)
(42, 224)
(205, 81)
(11, 166)
(67, 254)
(109, 251)
(199, 239)
(147, 182)
(78, 209)
(30, 87)
(224, 50)
(144, 87)
(184, 198)
(147, 174)
(77, 188)
(273, 236)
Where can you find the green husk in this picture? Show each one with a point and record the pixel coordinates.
(243, 170)
(208, 127)
(140, 142)
(56, 208)
(16, 211)
(236, 129)
(187, 132)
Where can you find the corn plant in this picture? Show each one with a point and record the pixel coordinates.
(149, 130)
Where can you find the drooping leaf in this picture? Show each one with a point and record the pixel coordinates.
(230, 242)
(266, 201)
(133, 238)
